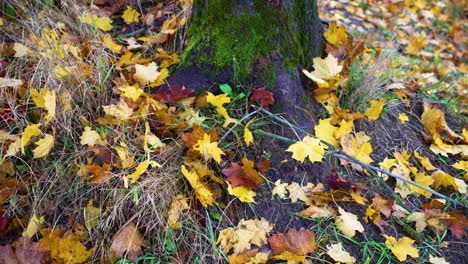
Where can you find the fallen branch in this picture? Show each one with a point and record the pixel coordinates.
(338, 153)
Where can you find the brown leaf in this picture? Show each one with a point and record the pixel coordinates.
(298, 242)
(128, 239)
(7, 255)
(263, 166)
(316, 212)
(457, 224)
(29, 252)
(246, 175)
(263, 97)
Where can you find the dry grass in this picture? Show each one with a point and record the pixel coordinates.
(54, 188)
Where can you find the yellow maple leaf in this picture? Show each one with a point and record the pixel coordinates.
(29, 132)
(90, 137)
(202, 192)
(121, 111)
(279, 189)
(20, 50)
(218, 101)
(146, 74)
(403, 117)
(348, 223)
(324, 69)
(424, 161)
(64, 249)
(244, 235)
(132, 91)
(244, 194)
(248, 136)
(374, 110)
(161, 77)
(346, 127)
(44, 145)
(443, 179)
(130, 15)
(425, 181)
(110, 44)
(209, 149)
(461, 165)
(336, 35)
(308, 147)
(139, 170)
(45, 99)
(416, 44)
(387, 164)
(62, 72)
(33, 226)
(358, 147)
(337, 253)
(326, 131)
(401, 248)
(178, 204)
(103, 23)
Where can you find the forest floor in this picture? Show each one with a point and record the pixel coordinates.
(110, 152)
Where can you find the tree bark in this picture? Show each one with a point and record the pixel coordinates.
(259, 41)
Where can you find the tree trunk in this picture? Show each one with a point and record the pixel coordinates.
(259, 41)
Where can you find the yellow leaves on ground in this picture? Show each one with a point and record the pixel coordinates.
(132, 92)
(401, 248)
(442, 179)
(33, 226)
(45, 99)
(244, 194)
(44, 146)
(130, 15)
(358, 146)
(324, 70)
(92, 215)
(374, 110)
(247, 233)
(348, 223)
(103, 23)
(90, 137)
(29, 132)
(127, 242)
(248, 136)
(416, 45)
(218, 101)
(336, 35)
(423, 180)
(202, 192)
(326, 131)
(208, 149)
(110, 44)
(337, 253)
(433, 120)
(178, 205)
(308, 147)
(64, 249)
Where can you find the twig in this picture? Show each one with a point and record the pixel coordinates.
(338, 153)
(236, 124)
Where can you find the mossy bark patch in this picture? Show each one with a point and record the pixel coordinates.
(231, 35)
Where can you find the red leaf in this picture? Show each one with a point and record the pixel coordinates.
(262, 96)
(174, 93)
(457, 224)
(7, 255)
(300, 242)
(336, 182)
(4, 221)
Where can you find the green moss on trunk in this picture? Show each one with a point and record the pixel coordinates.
(231, 35)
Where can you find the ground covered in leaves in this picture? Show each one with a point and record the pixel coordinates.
(104, 158)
